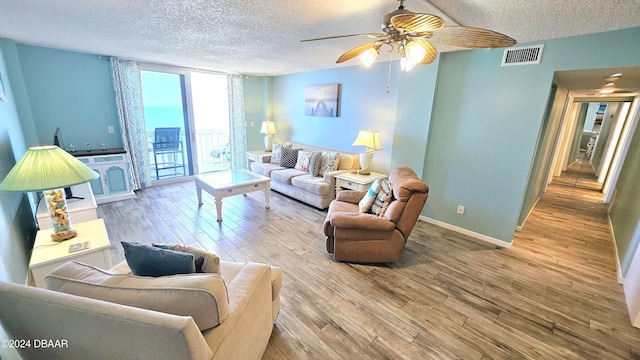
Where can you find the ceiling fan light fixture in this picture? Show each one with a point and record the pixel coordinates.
(415, 52)
(406, 64)
(368, 57)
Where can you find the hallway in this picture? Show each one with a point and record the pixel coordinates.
(567, 235)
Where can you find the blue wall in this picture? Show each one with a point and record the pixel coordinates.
(16, 216)
(71, 90)
(363, 103)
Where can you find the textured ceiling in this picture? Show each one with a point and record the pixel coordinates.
(263, 37)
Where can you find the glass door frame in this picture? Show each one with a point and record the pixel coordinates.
(188, 123)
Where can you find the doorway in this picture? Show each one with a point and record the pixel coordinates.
(585, 157)
(187, 122)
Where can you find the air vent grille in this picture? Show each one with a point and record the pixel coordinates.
(522, 55)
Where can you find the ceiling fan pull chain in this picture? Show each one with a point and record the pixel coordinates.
(389, 77)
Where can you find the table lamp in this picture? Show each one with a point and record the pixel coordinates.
(371, 140)
(49, 169)
(268, 128)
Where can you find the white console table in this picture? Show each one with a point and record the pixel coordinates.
(79, 209)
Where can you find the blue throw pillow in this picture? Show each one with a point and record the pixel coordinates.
(145, 260)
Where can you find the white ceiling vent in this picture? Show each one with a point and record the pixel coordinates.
(522, 55)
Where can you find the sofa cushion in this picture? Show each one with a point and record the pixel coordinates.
(312, 184)
(201, 296)
(314, 163)
(289, 157)
(265, 169)
(367, 200)
(347, 162)
(276, 154)
(329, 162)
(304, 158)
(205, 261)
(145, 260)
(383, 198)
(284, 176)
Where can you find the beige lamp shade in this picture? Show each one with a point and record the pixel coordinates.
(49, 169)
(268, 128)
(371, 140)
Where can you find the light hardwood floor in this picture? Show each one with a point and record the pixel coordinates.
(553, 295)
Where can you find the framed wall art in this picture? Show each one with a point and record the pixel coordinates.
(321, 100)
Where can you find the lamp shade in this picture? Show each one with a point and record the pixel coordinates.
(44, 168)
(268, 127)
(369, 138)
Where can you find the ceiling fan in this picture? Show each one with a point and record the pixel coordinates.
(412, 34)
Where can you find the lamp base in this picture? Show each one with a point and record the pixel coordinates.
(268, 143)
(64, 235)
(364, 172)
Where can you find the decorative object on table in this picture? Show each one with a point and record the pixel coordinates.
(269, 128)
(321, 100)
(371, 140)
(49, 169)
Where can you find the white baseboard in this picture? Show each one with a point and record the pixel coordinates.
(615, 252)
(519, 227)
(485, 238)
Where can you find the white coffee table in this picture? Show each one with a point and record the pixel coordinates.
(229, 183)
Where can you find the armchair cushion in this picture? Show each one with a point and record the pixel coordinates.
(360, 221)
(201, 296)
(350, 196)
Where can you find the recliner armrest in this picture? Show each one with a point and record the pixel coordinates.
(363, 221)
(350, 196)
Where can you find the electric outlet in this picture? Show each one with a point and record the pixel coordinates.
(253, 124)
(460, 209)
(110, 129)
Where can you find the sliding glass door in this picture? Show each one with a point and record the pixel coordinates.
(187, 122)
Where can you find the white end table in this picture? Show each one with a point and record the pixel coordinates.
(48, 254)
(354, 181)
(254, 155)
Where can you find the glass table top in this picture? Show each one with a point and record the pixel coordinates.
(232, 177)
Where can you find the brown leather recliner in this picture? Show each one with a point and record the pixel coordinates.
(368, 238)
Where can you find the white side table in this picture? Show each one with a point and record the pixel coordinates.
(48, 254)
(254, 155)
(358, 182)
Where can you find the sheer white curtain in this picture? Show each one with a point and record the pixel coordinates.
(237, 130)
(128, 90)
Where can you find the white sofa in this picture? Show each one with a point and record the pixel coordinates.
(316, 191)
(85, 328)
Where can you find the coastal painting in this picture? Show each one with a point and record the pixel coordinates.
(321, 100)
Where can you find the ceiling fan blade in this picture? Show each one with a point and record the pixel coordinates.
(371, 35)
(432, 52)
(471, 37)
(357, 51)
(417, 22)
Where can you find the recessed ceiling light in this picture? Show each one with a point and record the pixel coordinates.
(606, 91)
(616, 75)
(609, 84)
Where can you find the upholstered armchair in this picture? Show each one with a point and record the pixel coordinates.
(362, 237)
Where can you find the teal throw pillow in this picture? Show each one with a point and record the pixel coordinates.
(145, 260)
(365, 204)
